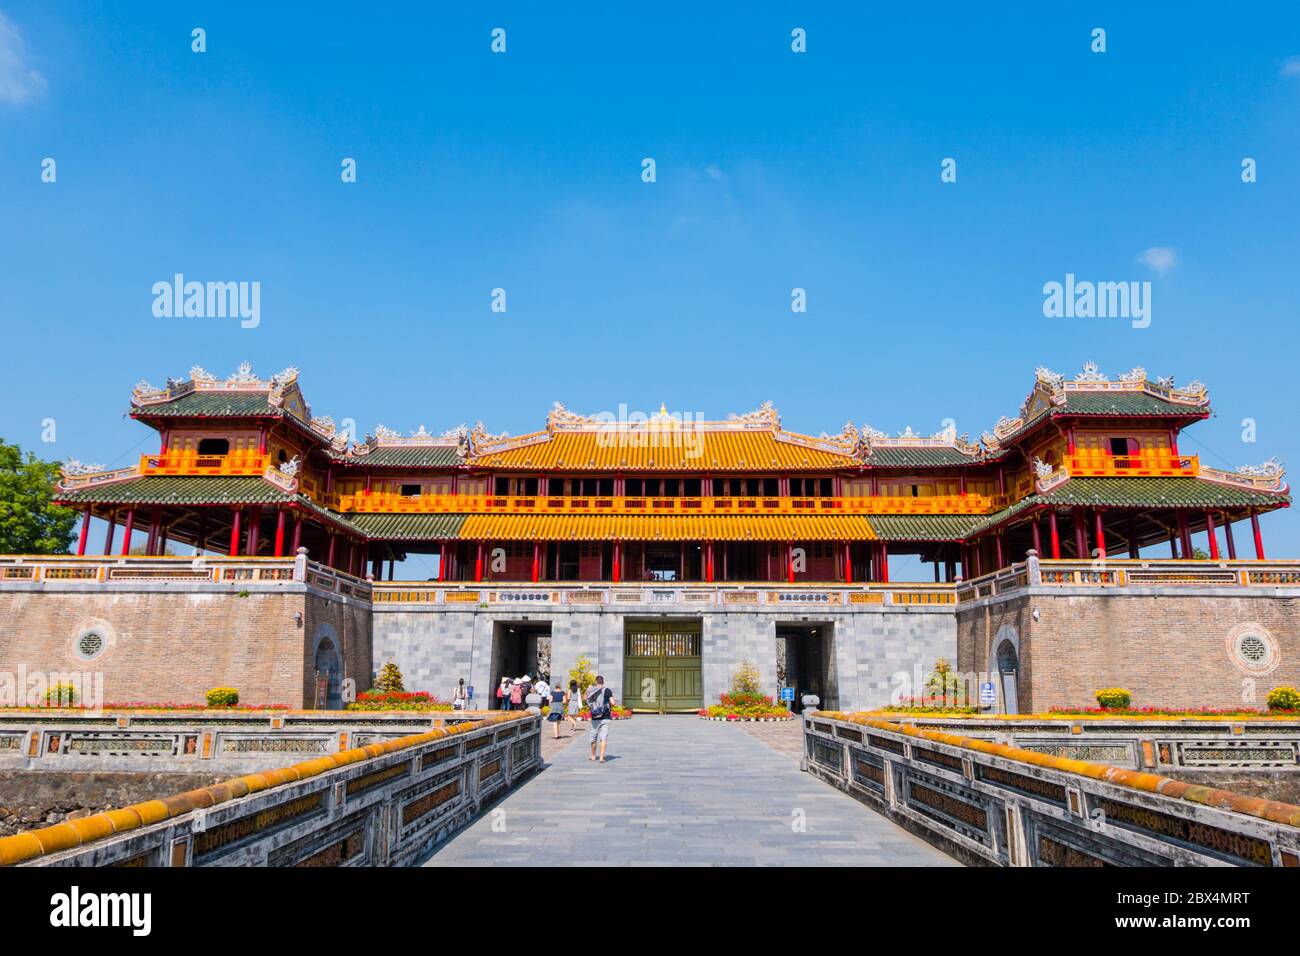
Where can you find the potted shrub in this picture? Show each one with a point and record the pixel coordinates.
(1284, 698)
(1114, 698)
(220, 697)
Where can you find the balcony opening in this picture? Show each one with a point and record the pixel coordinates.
(411, 491)
(214, 446)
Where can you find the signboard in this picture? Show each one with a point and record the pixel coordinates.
(787, 694)
(988, 694)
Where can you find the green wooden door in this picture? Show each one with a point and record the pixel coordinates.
(662, 669)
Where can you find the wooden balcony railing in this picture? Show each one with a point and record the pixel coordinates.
(190, 463)
(1157, 464)
(733, 505)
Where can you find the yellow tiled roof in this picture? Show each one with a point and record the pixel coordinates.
(666, 528)
(686, 450)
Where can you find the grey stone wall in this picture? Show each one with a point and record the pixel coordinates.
(434, 645)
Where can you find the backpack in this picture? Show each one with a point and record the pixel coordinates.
(600, 704)
(516, 693)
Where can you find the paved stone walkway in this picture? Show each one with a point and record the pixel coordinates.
(680, 791)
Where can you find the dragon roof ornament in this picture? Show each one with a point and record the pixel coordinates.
(765, 415)
(1272, 468)
(72, 467)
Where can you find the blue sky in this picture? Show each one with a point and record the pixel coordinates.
(522, 171)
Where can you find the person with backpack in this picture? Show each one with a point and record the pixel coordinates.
(460, 697)
(516, 694)
(600, 699)
(503, 694)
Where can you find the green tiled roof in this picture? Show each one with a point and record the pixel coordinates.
(1142, 493)
(178, 490)
(437, 456)
(1158, 493)
(213, 405)
(407, 527)
(1125, 403)
(919, 458)
(924, 527)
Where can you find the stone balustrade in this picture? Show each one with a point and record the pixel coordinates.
(384, 804)
(1163, 744)
(209, 741)
(993, 804)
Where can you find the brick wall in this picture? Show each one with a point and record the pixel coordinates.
(1166, 648)
(173, 645)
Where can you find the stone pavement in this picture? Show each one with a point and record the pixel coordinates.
(680, 791)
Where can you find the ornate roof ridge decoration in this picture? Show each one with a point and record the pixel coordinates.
(561, 419)
(765, 416)
(946, 437)
(75, 468)
(1267, 477)
(201, 380)
(78, 480)
(384, 437)
(1051, 391)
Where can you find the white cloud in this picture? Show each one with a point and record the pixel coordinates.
(1291, 67)
(1159, 259)
(714, 172)
(19, 83)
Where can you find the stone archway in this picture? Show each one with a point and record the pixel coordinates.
(1006, 658)
(327, 666)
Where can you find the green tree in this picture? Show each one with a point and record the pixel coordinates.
(29, 522)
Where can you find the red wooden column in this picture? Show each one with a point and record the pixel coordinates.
(884, 562)
(1259, 538)
(848, 562)
(1227, 536)
(616, 572)
(708, 561)
(329, 558)
(279, 532)
(1184, 536)
(789, 560)
(151, 537)
(478, 563)
(1079, 518)
(297, 537)
(108, 535)
(127, 529)
(254, 527)
(85, 530)
(1055, 534)
(1101, 534)
(1212, 535)
(1038, 542)
(537, 560)
(999, 560)
(235, 533)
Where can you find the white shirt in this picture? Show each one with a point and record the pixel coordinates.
(543, 689)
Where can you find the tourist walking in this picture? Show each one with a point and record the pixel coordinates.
(503, 694)
(460, 696)
(600, 699)
(556, 714)
(516, 694)
(573, 706)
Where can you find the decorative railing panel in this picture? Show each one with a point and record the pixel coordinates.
(1008, 806)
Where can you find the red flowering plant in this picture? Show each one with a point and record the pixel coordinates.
(398, 700)
(1159, 711)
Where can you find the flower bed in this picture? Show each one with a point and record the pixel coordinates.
(745, 707)
(1170, 712)
(616, 712)
(398, 700)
